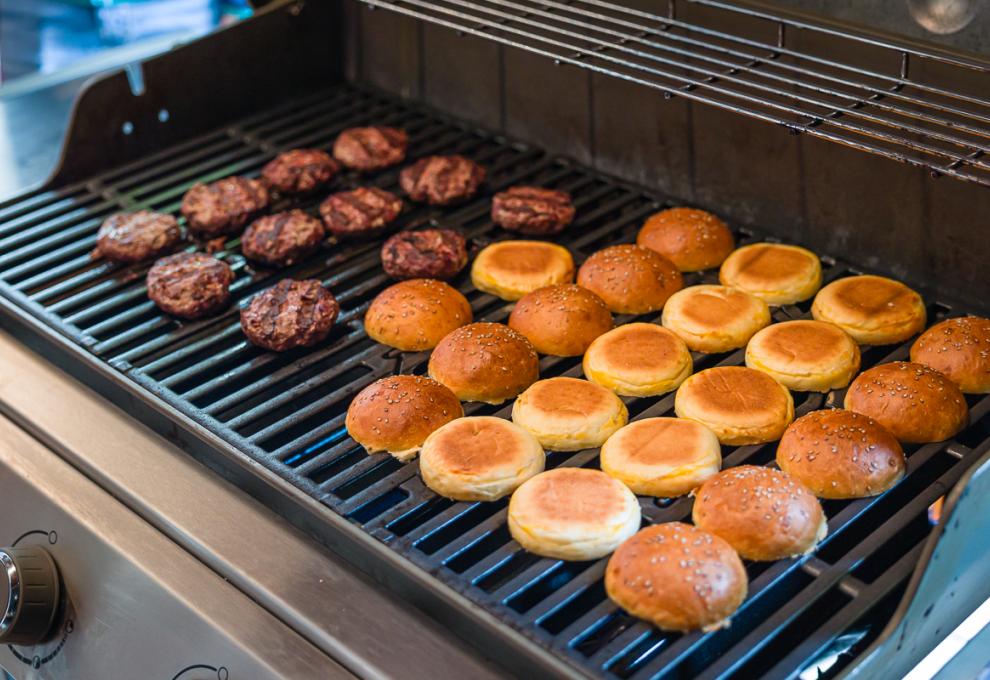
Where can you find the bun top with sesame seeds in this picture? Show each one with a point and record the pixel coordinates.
(561, 320)
(959, 348)
(841, 454)
(630, 279)
(765, 514)
(396, 414)
(415, 315)
(678, 577)
(916, 403)
(874, 310)
(692, 239)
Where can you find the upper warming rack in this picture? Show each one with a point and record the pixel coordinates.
(899, 101)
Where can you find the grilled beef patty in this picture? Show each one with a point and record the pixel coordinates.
(365, 211)
(442, 180)
(223, 207)
(290, 314)
(532, 210)
(426, 254)
(282, 239)
(300, 170)
(137, 236)
(371, 148)
(190, 285)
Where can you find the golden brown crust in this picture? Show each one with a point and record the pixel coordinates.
(638, 359)
(630, 279)
(486, 362)
(692, 239)
(561, 320)
(777, 273)
(874, 310)
(572, 514)
(959, 348)
(662, 456)
(740, 405)
(677, 577)
(841, 454)
(396, 414)
(916, 403)
(765, 514)
(415, 315)
(567, 414)
(715, 318)
(510, 269)
(805, 355)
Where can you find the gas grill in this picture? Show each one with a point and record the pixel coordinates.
(884, 586)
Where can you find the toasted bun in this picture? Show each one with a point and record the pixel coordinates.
(567, 414)
(692, 239)
(740, 405)
(562, 320)
(715, 318)
(765, 514)
(959, 348)
(510, 269)
(872, 309)
(776, 273)
(662, 456)
(841, 454)
(630, 279)
(677, 577)
(572, 514)
(396, 414)
(481, 458)
(916, 403)
(486, 362)
(415, 315)
(809, 356)
(638, 360)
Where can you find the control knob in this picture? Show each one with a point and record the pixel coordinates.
(29, 594)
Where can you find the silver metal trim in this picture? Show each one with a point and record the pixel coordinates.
(13, 592)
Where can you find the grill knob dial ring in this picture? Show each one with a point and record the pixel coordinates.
(29, 594)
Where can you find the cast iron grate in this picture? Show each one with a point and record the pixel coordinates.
(286, 410)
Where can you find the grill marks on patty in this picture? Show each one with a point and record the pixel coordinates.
(190, 285)
(426, 254)
(371, 148)
(290, 314)
(223, 207)
(282, 239)
(532, 210)
(134, 237)
(300, 170)
(365, 211)
(442, 180)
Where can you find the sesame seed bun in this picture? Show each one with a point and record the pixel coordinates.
(415, 315)
(764, 514)
(740, 405)
(630, 279)
(874, 310)
(692, 239)
(510, 269)
(572, 514)
(841, 454)
(677, 577)
(486, 362)
(396, 414)
(567, 414)
(480, 458)
(804, 355)
(662, 456)
(561, 320)
(916, 403)
(638, 360)
(715, 318)
(959, 348)
(776, 273)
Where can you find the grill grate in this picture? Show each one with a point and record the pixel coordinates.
(287, 410)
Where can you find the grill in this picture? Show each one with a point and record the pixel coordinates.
(286, 411)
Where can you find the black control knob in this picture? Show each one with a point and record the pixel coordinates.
(29, 594)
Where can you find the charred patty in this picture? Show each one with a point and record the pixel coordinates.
(223, 207)
(441, 180)
(282, 239)
(365, 211)
(426, 254)
(137, 236)
(299, 171)
(290, 314)
(371, 148)
(190, 285)
(533, 210)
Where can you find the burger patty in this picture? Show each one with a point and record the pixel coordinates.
(282, 239)
(371, 148)
(365, 211)
(224, 206)
(300, 170)
(532, 210)
(426, 254)
(190, 285)
(441, 180)
(290, 314)
(137, 236)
